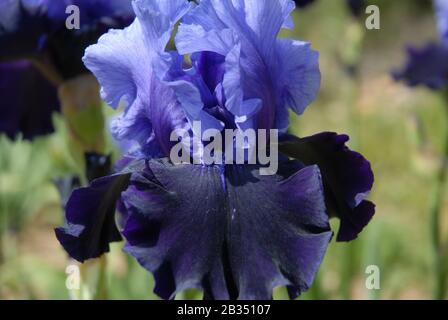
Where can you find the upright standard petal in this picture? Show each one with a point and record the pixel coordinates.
(245, 33)
(27, 101)
(124, 63)
(228, 231)
(441, 7)
(347, 176)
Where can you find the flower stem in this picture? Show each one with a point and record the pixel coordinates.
(101, 286)
(436, 209)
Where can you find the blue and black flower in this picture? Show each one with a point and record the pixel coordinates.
(224, 228)
(38, 53)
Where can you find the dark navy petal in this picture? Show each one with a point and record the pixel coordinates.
(90, 212)
(230, 232)
(426, 66)
(347, 175)
(90, 215)
(27, 101)
(36, 29)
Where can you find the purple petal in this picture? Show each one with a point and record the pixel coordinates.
(90, 214)
(256, 62)
(23, 27)
(27, 101)
(347, 175)
(427, 66)
(124, 61)
(229, 232)
(36, 29)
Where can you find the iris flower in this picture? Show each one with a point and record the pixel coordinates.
(38, 53)
(428, 65)
(223, 229)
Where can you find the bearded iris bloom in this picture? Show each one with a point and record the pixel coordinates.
(38, 53)
(223, 229)
(428, 66)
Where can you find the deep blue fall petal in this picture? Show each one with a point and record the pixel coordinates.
(27, 101)
(90, 215)
(90, 212)
(230, 232)
(426, 66)
(347, 175)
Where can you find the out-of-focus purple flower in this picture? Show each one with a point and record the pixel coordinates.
(425, 66)
(428, 65)
(27, 100)
(36, 31)
(224, 229)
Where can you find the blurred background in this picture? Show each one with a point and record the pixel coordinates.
(401, 130)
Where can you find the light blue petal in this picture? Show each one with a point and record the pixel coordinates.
(121, 63)
(442, 18)
(190, 99)
(299, 74)
(245, 32)
(127, 64)
(158, 18)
